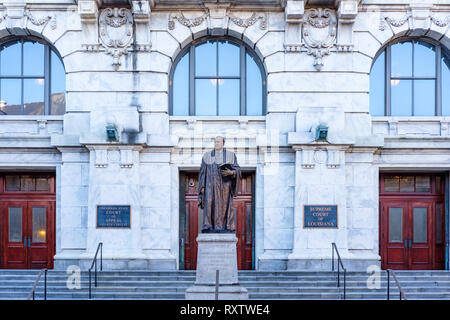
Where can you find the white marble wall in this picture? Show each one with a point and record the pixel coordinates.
(133, 91)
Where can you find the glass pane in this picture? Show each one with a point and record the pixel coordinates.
(206, 59)
(401, 104)
(401, 59)
(15, 224)
(33, 96)
(180, 88)
(377, 85)
(27, 183)
(254, 88)
(12, 183)
(438, 184)
(423, 184)
(424, 59)
(395, 224)
(438, 223)
(11, 59)
(58, 86)
(407, 184)
(420, 225)
(445, 74)
(11, 96)
(229, 59)
(39, 224)
(424, 97)
(42, 184)
(33, 59)
(229, 97)
(391, 184)
(205, 97)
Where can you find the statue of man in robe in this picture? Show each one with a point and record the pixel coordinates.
(218, 179)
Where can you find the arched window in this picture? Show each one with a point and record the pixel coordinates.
(410, 78)
(217, 76)
(32, 79)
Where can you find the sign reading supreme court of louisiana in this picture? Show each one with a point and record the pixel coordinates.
(113, 216)
(320, 216)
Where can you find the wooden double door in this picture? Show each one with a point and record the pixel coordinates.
(412, 222)
(27, 225)
(191, 221)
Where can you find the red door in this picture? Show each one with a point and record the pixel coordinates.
(28, 235)
(412, 221)
(27, 217)
(190, 222)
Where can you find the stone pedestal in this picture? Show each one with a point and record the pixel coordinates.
(216, 251)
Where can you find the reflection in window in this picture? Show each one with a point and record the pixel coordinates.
(217, 77)
(409, 78)
(32, 79)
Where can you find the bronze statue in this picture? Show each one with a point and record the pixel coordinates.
(218, 179)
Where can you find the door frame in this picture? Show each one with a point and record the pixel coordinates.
(29, 197)
(182, 214)
(408, 198)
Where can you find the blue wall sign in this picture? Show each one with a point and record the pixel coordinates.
(320, 216)
(113, 216)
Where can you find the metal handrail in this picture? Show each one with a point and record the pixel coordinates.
(340, 264)
(94, 263)
(31, 294)
(402, 293)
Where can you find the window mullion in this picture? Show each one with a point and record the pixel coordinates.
(387, 80)
(412, 81)
(47, 70)
(438, 84)
(21, 80)
(217, 78)
(243, 92)
(192, 81)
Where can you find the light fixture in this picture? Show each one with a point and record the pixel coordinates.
(111, 133)
(321, 133)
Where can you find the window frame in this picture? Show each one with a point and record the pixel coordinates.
(48, 49)
(244, 49)
(439, 52)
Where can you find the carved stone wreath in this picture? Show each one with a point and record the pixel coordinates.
(42, 20)
(195, 22)
(319, 34)
(393, 22)
(245, 23)
(116, 32)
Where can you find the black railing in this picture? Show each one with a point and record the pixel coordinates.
(94, 264)
(33, 290)
(400, 289)
(339, 265)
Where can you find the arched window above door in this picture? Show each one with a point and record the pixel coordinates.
(32, 78)
(217, 77)
(411, 78)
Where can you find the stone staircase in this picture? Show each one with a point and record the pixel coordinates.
(170, 285)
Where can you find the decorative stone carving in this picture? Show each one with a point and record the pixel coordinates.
(334, 160)
(440, 22)
(319, 33)
(116, 32)
(308, 159)
(245, 23)
(393, 22)
(101, 157)
(42, 20)
(126, 158)
(195, 22)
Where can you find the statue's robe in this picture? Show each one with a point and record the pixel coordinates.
(217, 200)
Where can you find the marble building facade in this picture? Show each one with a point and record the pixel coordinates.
(317, 58)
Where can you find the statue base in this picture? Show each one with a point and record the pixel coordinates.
(216, 251)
